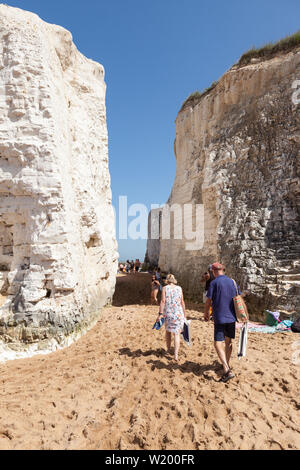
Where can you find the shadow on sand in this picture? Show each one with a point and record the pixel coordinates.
(135, 289)
(186, 367)
(132, 289)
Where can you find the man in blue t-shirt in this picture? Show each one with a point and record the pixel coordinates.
(220, 296)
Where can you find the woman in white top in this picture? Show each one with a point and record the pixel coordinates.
(172, 308)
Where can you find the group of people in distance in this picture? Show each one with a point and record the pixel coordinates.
(130, 266)
(219, 293)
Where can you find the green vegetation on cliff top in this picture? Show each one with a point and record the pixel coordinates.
(271, 49)
(195, 97)
(263, 53)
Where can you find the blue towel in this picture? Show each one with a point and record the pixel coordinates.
(285, 325)
(158, 324)
(186, 332)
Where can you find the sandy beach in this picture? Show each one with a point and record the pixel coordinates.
(116, 388)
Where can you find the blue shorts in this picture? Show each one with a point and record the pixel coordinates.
(225, 330)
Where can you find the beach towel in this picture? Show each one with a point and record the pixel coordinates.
(272, 318)
(250, 325)
(284, 326)
(270, 329)
(243, 341)
(186, 333)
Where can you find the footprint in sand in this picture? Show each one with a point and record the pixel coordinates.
(111, 403)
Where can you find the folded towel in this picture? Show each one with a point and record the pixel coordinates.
(158, 324)
(186, 333)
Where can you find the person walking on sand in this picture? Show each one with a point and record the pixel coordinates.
(172, 308)
(127, 266)
(137, 265)
(220, 296)
(131, 266)
(207, 277)
(154, 290)
(158, 274)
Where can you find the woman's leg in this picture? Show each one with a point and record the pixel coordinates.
(168, 340)
(177, 345)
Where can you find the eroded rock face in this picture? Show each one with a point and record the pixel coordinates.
(58, 258)
(238, 154)
(153, 242)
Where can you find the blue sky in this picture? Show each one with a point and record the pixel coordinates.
(155, 54)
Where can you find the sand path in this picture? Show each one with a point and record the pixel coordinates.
(117, 389)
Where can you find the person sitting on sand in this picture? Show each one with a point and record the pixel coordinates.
(220, 296)
(172, 308)
(154, 290)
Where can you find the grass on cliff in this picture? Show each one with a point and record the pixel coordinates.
(269, 50)
(195, 97)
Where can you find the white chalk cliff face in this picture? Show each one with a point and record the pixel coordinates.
(153, 242)
(237, 152)
(58, 253)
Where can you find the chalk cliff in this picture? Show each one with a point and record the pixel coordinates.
(153, 241)
(58, 258)
(238, 153)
